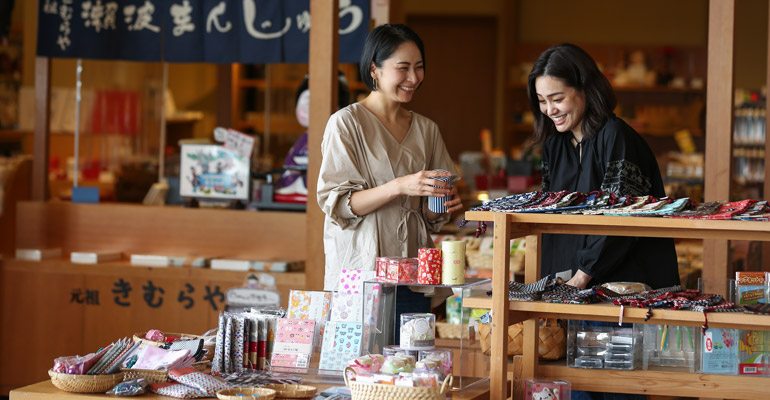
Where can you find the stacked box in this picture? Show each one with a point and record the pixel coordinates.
(603, 347)
(397, 269)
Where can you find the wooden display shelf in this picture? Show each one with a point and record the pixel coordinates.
(511, 225)
(611, 313)
(658, 382)
(530, 224)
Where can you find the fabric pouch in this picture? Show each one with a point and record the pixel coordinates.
(177, 390)
(204, 383)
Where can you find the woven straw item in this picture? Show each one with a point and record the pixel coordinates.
(375, 391)
(84, 383)
(232, 394)
(156, 375)
(552, 339)
(450, 331)
(287, 391)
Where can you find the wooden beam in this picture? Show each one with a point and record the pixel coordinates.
(719, 132)
(42, 126)
(324, 50)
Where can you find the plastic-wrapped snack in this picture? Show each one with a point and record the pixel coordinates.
(626, 287)
(130, 388)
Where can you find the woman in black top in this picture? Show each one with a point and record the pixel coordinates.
(587, 148)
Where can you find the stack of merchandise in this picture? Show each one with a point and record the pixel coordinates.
(605, 203)
(343, 335)
(244, 341)
(753, 292)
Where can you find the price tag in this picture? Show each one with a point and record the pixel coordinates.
(239, 143)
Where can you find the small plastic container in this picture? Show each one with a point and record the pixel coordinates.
(418, 331)
(442, 356)
(545, 389)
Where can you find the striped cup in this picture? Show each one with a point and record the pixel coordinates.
(436, 204)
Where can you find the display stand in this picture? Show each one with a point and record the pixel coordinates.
(380, 328)
(655, 382)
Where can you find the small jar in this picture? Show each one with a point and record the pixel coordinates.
(418, 331)
(442, 356)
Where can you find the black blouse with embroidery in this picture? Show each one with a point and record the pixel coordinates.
(617, 160)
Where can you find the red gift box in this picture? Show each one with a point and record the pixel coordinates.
(397, 269)
(429, 273)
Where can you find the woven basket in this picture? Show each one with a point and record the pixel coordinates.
(450, 331)
(375, 391)
(232, 394)
(552, 339)
(287, 391)
(84, 383)
(139, 337)
(156, 375)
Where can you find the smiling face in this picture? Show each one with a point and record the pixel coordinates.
(563, 104)
(401, 74)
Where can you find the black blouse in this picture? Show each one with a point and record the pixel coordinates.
(616, 160)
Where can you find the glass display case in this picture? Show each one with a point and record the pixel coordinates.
(382, 324)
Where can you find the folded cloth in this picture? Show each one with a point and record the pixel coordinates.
(568, 294)
(529, 291)
(177, 390)
(156, 358)
(195, 346)
(203, 382)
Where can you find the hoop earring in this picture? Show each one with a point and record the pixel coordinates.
(375, 84)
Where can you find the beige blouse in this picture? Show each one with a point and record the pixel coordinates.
(360, 153)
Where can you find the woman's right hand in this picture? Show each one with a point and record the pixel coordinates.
(423, 184)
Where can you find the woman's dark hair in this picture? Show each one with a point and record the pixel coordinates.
(578, 70)
(381, 43)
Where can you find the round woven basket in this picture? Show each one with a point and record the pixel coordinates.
(84, 383)
(287, 391)
(232, 394)
(450, 331)
(552, 339)
(376, 391)
(156, 375)
(139, 337)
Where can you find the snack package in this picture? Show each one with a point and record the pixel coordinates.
(130, 388)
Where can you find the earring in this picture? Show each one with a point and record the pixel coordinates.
(375, 84)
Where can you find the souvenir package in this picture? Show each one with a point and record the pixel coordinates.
(700, 211)
(751, 287)
(670, 346)
(293, 343)
(348, 301)
(429, 268)
(397, 269)
(728, 210)
(418, 331)
(310, 305)
(453, 262)
(547, 390)
(754, 352)
(442, 357)
(342, 342)
(719, 351)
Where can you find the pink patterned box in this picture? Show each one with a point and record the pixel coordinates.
(310, 305)
(397, 269)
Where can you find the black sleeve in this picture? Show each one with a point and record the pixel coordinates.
(545, 170)
(630, 169)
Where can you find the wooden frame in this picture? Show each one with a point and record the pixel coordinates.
(508, 226)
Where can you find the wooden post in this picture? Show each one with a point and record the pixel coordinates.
(42, 126)
(225, 95)
(500, 304)
(766, 191)
(719, 132)
(324, 50)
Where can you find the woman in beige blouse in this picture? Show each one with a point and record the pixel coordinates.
(378, 162)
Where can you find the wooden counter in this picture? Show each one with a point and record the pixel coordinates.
(47, 391)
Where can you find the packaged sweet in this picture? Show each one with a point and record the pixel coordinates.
(418, 331)
(626, 287)
(130, 388)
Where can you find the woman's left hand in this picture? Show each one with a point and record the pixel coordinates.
(580, 279)
(456, 204)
